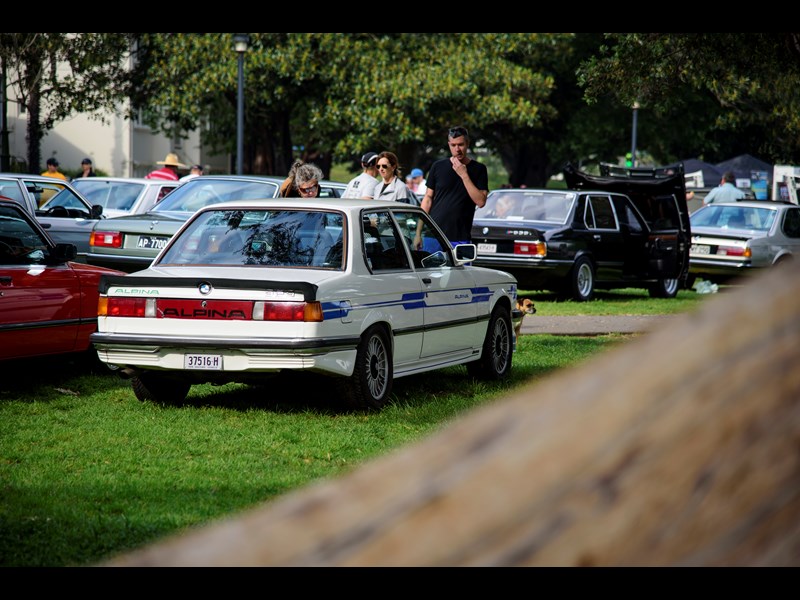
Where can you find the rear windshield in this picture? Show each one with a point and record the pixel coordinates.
(527, 205)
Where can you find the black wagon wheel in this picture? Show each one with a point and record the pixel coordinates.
(371, 382)
(495, 360)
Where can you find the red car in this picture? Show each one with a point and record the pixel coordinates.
(48, 304)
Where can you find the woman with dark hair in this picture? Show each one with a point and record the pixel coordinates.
(391, 186)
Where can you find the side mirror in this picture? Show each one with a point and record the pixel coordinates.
(465, 253)
(65, 252)
(96, 212)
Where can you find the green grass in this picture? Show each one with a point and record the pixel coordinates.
(87, 471)
(628, 301)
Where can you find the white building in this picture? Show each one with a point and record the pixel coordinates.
(119, 148)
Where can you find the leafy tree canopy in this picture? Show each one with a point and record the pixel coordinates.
(347, 91)
(753, 80)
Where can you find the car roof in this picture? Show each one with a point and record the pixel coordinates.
(347, 204)
(35, 177)
(753, 204)
(126, 180)
(533, 190)
(270, 178)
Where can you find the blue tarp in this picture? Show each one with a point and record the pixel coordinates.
(743, 166)
(711, 174)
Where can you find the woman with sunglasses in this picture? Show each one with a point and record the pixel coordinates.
(391, 185)
(302, 182)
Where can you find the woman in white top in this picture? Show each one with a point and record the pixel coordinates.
(391, 186)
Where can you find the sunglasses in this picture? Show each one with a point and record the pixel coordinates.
(384, 166)
(308, 190)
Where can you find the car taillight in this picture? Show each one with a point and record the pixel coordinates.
(530, 248)
(126, 307)
(309, 312)
(287, 311)
(734, 251)
(106, 239)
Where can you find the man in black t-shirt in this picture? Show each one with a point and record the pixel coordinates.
(456, 186)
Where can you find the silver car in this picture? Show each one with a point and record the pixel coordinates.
(131, 243)
(120, 196)
(61, 209)
(734, 238)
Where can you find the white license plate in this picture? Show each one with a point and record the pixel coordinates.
(489, 248)
(205, 362)
(700, 249)
(152, 242)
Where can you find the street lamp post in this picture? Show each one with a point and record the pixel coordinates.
(240, 42)
(633, 134)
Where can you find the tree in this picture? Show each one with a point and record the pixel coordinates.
(322, 91)
(55, 75)
(752, 80)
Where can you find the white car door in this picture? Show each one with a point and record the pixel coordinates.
(452, 303)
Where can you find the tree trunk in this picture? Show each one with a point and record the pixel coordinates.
(528, 165)
(270, 149)
(35, 134)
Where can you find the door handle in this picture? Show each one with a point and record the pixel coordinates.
(426, 280)
(5, 280)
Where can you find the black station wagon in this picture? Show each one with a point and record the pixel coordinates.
(620, 230)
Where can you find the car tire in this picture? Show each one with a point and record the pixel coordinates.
(495, 360)
(158, 388)
(371, 382)
(664, 288)
(580, 285)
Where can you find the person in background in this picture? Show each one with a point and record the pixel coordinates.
(418, 184)
(302, 182)
(52, 170)
(504, 207)
(169, 171)
(363, 185)
(456, 186)
(195, 171)
(391, 186)
(86, 169)
(726, 191)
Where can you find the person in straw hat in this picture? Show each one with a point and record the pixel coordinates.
(170, 169)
